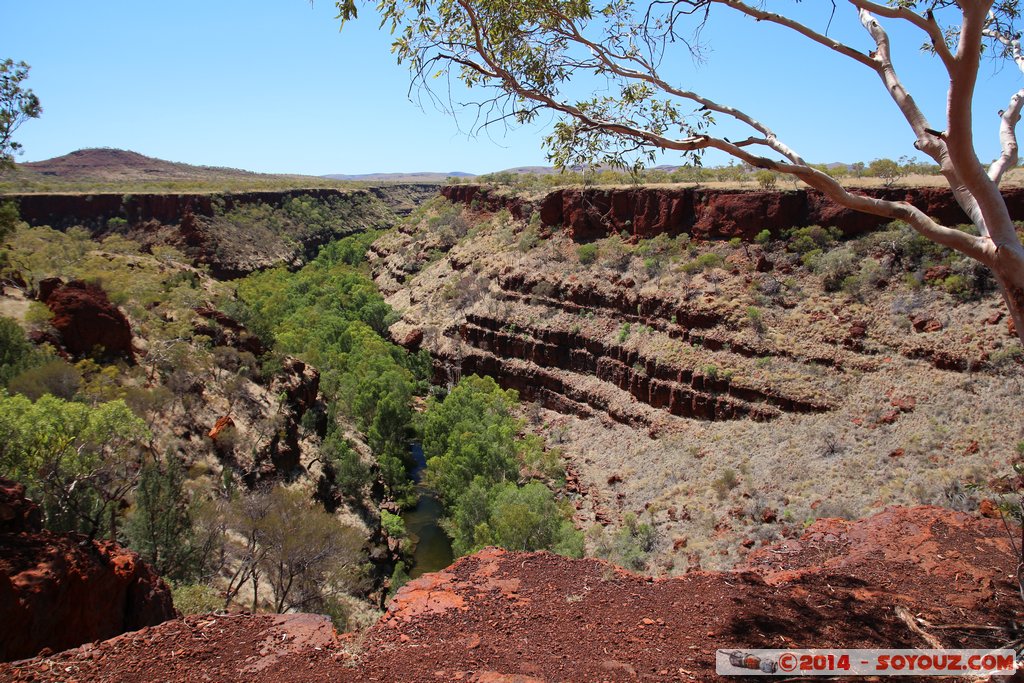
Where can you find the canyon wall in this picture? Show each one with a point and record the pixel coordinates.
(62, 211)
(216, 229)
(709, 213)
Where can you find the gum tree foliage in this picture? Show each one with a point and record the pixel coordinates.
(470, 434)
(526, 57)
(330, 314)
(79, 462)
(474, 453)
(16, 106)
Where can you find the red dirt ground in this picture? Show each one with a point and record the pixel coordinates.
(503, 617)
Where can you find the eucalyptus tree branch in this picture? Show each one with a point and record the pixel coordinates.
(927, 141)
(651, 76)
(794, 25)
(1008, 120)
(926, 23)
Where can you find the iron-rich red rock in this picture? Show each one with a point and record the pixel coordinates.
(224, 330)
(18, 514)
(925, 323)
(300, 384)
(222, 423)
(48, 286)
(87, 321)
(61, 590)
(709, 214)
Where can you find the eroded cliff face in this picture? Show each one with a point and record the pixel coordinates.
(902, 578)
(61, 590)
(231, 233)
(723, 393)
(708, 213)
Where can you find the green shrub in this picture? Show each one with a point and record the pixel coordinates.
(725, 482)
(869, 278)
(624, 331)
(616, 252)
(393, 525)
(703, 262)
(766, 179)
(192, 598)
(652, 266)
(117, 224)
(17, 354)
(1008, 356)
(56, 377)
(763, 237)
(349, 473)
(803, 240)
(529, 239)
(756, 318)
(629, 546)
(587, 253)
(833, 267)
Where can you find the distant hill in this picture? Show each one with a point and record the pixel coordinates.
(104, 169)
(416, 177)
(120, 164)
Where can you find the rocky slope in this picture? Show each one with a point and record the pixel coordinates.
(708, 386)
(904, 578)
(61, 590)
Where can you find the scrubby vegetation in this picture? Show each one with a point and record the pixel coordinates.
(885, 171)
(110, 461)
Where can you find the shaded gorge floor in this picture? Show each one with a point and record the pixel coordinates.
(433, 548)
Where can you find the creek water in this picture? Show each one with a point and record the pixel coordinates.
(433, 547)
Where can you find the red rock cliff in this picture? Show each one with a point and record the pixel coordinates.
(86, 320)
(708, 213)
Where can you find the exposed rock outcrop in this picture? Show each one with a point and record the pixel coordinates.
(300, 385)
(86, 320)
(60, 590)
(18, 514)
(224, 330)
(93, 211)
(709, 214)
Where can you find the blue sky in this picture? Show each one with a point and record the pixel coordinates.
(272, 86)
